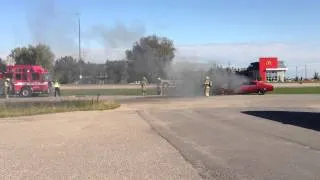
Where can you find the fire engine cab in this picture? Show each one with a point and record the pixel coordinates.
(27, 80)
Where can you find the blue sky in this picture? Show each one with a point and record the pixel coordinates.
(189, 22)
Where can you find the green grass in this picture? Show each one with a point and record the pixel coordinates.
(296, 90)
(105, 92)
(34, 108)
(137, 92)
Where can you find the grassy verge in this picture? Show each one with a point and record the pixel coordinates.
(137, 92)
(296, 90)
(34, 108)
(105, 92)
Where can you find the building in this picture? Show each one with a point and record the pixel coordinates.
(268, 69)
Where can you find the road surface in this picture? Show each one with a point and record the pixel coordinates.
(225, 137)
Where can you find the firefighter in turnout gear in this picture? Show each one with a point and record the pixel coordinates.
(144, 85)
(207, 84)
(159, 87)
(6, 88)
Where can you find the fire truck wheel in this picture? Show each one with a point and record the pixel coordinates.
(26, 92)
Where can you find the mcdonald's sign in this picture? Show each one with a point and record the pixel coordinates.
(268, 63)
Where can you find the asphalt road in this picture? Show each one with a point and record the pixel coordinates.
(225, 140)
(223, 137)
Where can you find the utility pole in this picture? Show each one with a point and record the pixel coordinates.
(296, 71)
(79, 41)
(305, 71)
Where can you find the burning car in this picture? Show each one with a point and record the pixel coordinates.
(259, 87)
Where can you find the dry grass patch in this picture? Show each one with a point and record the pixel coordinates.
(11, 109)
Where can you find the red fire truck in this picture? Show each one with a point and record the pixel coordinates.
(27, 80)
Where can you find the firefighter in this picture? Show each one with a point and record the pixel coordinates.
(159, 87)
(50, 87)
(6, 87)
(2, 86)
(144, 85)
(56, 88)
(165, 88)
(207, 84)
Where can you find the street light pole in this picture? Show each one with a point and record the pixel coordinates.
(79, 41)
(305, 71)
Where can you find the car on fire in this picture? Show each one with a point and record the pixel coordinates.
(259, 87)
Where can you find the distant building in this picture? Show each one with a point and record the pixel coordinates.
(268, 69)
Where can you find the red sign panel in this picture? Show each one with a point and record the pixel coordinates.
(267, 62)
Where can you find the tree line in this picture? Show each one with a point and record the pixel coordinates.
(149, 56)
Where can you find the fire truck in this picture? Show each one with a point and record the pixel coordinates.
(27, 80)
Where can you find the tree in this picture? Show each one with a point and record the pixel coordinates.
(3, 66)
(117, 71)
(40, 54)
(66, 69)
(316, 76)
(44, 56)
(150, 56)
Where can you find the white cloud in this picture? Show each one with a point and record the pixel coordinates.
(3, 54)
(242, 54)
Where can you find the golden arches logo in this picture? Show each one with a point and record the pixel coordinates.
(268, 63)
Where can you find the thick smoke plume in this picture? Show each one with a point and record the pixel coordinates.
(58, 28)
(53, 26)
(189, 77)
(115, 39)
(50, 23)
(119, 36)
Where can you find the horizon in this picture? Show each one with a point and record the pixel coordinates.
(239, 32)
